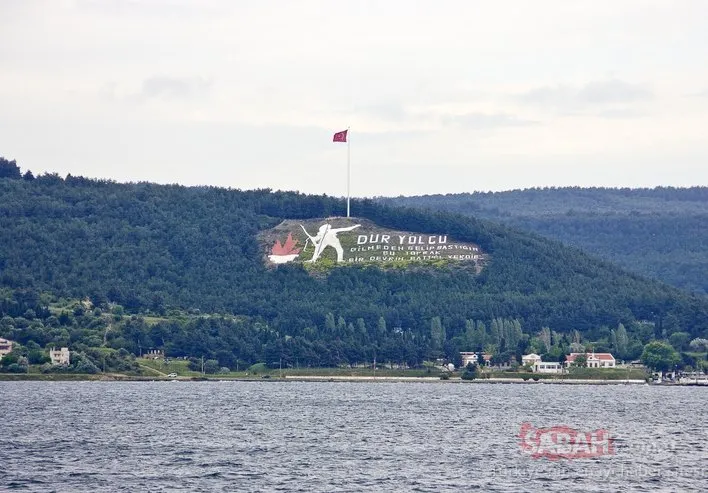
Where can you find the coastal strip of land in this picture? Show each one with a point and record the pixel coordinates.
(326, 378)
(311, 378)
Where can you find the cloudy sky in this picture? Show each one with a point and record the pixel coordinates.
(441, 96)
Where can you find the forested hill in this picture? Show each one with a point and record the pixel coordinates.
(660, 232)
(162, 250)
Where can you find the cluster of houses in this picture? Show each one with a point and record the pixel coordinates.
(592, 360)
(537, 365)
(57, 356)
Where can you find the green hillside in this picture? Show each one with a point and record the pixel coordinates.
(187, 264)
(660, 233)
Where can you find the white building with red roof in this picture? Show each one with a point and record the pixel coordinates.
(594, 360)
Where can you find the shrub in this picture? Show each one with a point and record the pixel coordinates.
(86, 366)
(15, 368)
(49, 368)
(37, 357)
(211, 366)
(258, 368)
(469, 374)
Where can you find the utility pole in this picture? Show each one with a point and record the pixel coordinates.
(349, 174)
(202, 364)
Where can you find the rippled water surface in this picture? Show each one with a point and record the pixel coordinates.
(336, 436)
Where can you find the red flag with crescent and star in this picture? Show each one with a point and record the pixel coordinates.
(340, 136)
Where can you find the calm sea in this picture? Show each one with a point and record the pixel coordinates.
(336, 436)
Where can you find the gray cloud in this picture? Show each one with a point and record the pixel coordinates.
(154, 8)
(386, 111)
(486, 120)
(556, 96)
(173, 87)
(568, 98)
(620, 113)
(395, 112)
(613, 91)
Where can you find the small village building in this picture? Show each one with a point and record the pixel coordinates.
(547, 367)
(154, 354)
(594, 360)
(530, 359)
(5, 347)
(60, 356)
(534, 361)
(470, 357)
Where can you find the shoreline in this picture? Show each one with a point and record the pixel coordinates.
(460, 381)
(269, 377)
(8, 377)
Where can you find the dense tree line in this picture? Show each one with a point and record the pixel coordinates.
(103, 337)
(660, 232)
(182, 254)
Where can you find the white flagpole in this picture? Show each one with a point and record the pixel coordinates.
(348, 170)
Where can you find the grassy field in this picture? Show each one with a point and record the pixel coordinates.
(177, 366)
(62, 377)
(47, 376)
(578, 373)
(152, 369)
(358, 372)
(180, 367)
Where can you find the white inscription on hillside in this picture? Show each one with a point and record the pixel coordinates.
(391, 248)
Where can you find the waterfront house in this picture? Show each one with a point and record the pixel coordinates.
(594, 360)
(60, 356)
(470, 357)
(5, 347)
(547, 367)
(530, 359)
(534, 361)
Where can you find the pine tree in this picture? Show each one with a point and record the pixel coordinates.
(381, 327)
(437, 333)
(330, 324)
(622, 341)
(545, 337)
(470, 334)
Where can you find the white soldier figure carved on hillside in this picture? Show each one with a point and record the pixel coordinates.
(327, 236)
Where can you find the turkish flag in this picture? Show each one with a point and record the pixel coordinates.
(340, 136)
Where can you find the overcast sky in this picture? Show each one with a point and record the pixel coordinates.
(441, 96)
